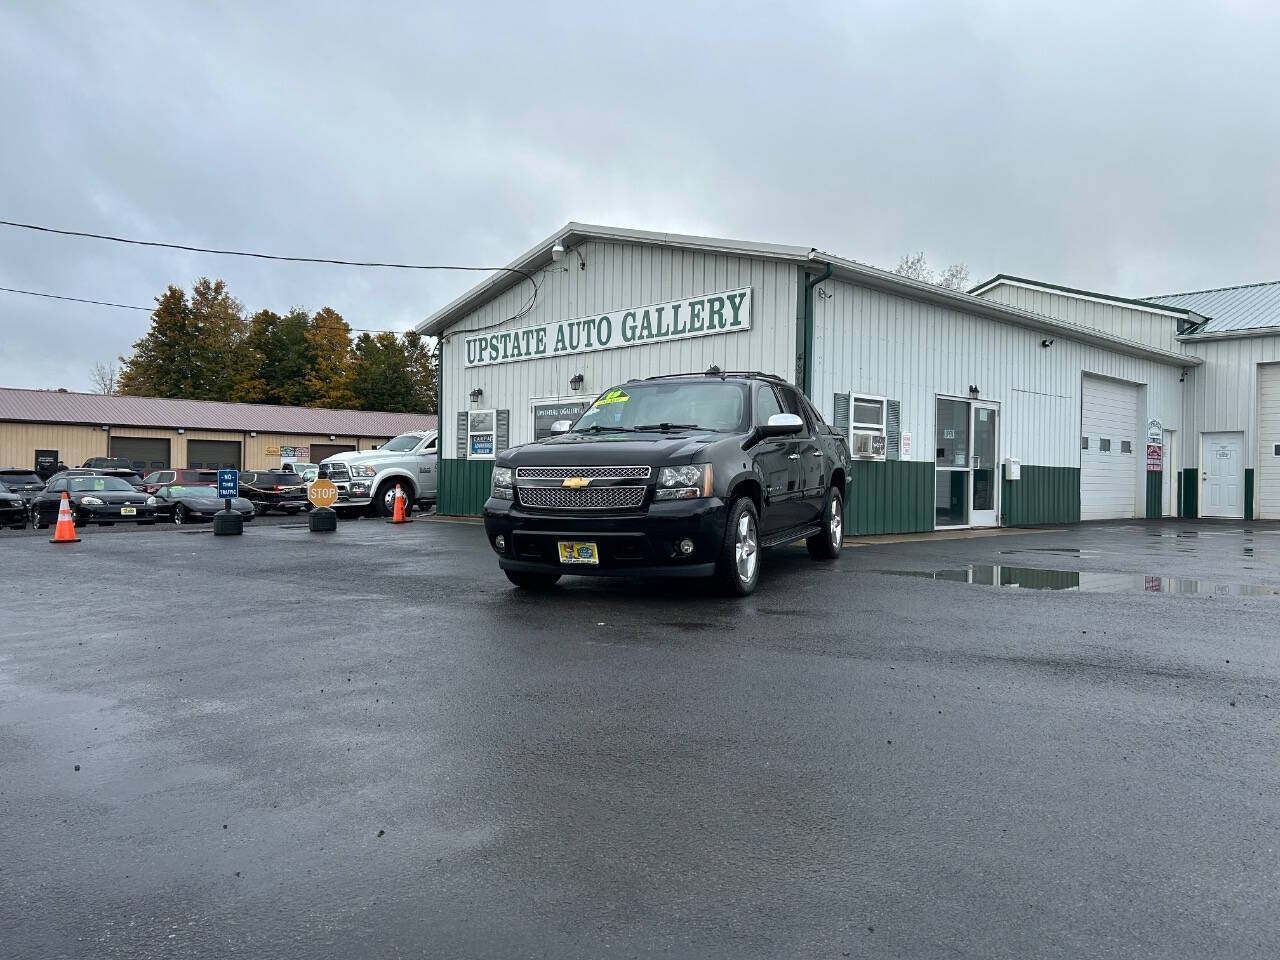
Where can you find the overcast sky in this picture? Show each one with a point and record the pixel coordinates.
(1130, 148)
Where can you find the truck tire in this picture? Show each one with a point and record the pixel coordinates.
(738, 569)
(532, 581)
(383, 500)
(826, 544)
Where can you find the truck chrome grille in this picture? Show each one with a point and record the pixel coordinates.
(588, 498)
(589, 473)
(337, 471)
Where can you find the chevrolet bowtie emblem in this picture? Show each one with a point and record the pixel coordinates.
(575, 483)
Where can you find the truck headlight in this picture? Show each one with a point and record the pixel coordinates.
(91, 501)
(502, 480)
(684, 483)
(362, 471)
(151, 501)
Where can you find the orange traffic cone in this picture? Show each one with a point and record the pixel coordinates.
(397, 513)
(65, 531)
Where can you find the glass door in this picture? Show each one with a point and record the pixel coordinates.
(951, 464)
(966, 472)
(986, 473)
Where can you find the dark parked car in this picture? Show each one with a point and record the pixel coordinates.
(189, 504)
(94, 499)
(13, 509)
(281, 490)
(26, 483)
(108, 463)
(128, 476)
(686, 476)
(187, 476)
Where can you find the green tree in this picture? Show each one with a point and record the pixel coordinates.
(280, 357)
(422, 357)
(329, 376)
(220, 358)
(163, 360)
(380, 375)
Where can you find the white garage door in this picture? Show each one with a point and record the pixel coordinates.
(1269, 439)
(1108, 450)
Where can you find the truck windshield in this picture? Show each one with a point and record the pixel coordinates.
(402, 444)
(715, 405)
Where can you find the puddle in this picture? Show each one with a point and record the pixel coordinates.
(1035, 578)
(1073, 552)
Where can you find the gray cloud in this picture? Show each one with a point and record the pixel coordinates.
(1126, 147)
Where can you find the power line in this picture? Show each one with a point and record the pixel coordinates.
(132, 306)
(289, 259)
(58, 296)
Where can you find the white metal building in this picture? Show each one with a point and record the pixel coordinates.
(1226, 456)
(964, 410)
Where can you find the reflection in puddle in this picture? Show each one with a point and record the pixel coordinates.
(1034, 578)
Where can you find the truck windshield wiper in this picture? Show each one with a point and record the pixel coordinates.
(599, 428)
(668, 426)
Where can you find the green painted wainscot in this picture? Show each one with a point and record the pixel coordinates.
(1155, 494)
(1189, 493)
(464, 487)
(889, 496)
(1042, 495)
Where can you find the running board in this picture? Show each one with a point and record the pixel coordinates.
(798, 533)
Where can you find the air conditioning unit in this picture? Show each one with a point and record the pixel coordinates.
(862, 444)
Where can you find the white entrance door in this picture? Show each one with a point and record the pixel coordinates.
(985, 487)
(1170, 478)
(1222, 475)
(1109, 439)
(1268, 497)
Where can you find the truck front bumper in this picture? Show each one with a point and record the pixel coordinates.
(634, 544)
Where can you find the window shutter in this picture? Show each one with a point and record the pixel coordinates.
(840, 415)
(893, 430)
(502, 431)
(462, 434)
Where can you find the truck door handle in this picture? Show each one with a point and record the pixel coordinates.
(817, 453)
(794, 456)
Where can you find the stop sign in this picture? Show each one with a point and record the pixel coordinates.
(322, 493)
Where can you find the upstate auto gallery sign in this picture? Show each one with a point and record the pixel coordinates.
(705, 316)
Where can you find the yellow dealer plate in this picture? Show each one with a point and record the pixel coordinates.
(128, 511)
(574, 552)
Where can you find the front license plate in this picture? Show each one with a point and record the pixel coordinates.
(574, 552)
(128, 511)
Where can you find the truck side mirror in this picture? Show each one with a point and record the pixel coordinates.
(561, 426)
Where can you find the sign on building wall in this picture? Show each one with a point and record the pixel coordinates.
(705, 316)
(1155, 431)
(481, 427)
(1155, 457)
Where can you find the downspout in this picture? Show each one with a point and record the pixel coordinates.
(809, 284)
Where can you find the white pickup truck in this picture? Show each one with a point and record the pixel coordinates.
(367, 479)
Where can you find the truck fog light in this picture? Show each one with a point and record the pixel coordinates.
(686, 546)
(500, 542)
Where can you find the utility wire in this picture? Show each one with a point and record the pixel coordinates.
(58, 296)
(272, 256)
(131, 306)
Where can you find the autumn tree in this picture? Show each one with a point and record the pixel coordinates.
(105, 377)
(329, 376)
(422, 358)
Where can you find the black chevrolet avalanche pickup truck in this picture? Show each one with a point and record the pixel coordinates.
(676, 476)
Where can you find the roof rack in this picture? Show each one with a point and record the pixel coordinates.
(715, 371)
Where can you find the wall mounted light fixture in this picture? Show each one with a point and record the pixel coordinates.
(973, 390)
(476, 394)
(105, 427)
(1046, 343)
(182, 430)
(333, 436)
(253, 433)
(576, 382)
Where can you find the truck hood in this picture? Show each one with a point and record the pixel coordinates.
(609, 449)
(372, 457)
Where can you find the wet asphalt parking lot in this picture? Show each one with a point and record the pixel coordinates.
(368, 745)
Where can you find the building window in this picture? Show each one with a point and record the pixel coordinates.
(866, 426)
(480, 434)
(1084, 443)
(1104, 445)
(548, 412)
(1126, 446)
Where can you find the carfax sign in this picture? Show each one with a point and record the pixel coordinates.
(705, 316)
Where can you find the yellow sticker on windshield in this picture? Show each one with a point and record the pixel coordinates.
(613, 396)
